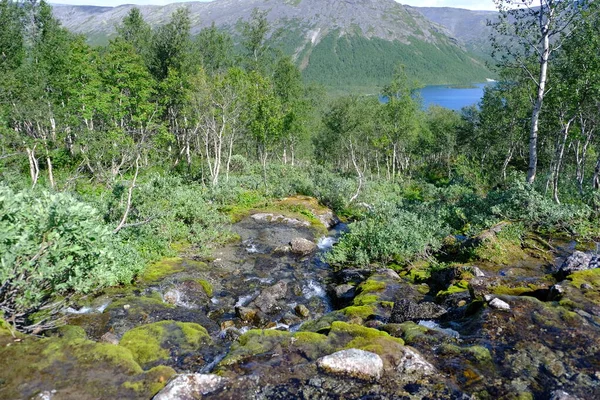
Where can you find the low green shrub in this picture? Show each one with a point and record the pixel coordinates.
(54, 246)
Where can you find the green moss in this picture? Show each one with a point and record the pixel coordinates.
(458, 287)
(309, 338)
(360, 337)
(499, 250)
(150, 343)
(590, 276)
(208, 289)
(411, 331)
(512, 291)
(144, 343)
(255, 342)
(72, 332)
(371, 285)
(477, 353)
(195, 334)
(158, 270)
(362, 312)
(90, 369)
(419, 271)
(365, 300)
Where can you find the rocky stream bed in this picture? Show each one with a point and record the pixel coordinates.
(266, 318)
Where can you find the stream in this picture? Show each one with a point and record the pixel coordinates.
(257, 319)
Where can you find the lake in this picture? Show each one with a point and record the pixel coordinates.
(452, 97)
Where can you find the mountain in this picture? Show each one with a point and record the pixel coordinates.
(468, 26)
(340, 43)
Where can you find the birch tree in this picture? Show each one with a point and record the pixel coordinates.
(528, 33)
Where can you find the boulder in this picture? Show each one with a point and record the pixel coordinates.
(407, 310)
(190, 386)
(353, 362)
(267, 299)
(302, 246)
(413, 363)
(345, 292)
(578, 261)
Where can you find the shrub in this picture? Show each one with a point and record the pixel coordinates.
(52, 245)
(389, 233)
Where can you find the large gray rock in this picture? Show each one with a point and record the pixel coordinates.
(190, 386)
(268, 298)
(578, 261)
(353, 362)
(302, 246)
(407, 310)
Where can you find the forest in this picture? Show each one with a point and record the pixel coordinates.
(115, 156)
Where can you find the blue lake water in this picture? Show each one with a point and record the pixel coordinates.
(451, 97)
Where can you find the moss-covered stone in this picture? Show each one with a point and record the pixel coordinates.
(458, 287)
(360, 337)
(476, 353)
(76, 365)
(256, 342)
(161, 269)
(158, 341)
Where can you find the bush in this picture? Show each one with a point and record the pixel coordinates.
(389, 233)
(170, 212)
(52, 245)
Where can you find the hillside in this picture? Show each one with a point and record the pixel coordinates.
(468, 26)
(342, 44)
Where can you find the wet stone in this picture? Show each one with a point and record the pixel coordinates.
(414, 363)
(268, 298)
(302, 311)
(190, 387)
(499, 304)
(345, 292)
(109, 337)
(578, 261)
(302, 246)
(353, 362)
(407, 310)
(246, 314)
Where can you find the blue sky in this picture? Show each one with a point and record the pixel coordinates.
(471, 4)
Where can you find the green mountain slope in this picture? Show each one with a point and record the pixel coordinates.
(349, 44)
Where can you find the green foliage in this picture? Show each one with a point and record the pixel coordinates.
(53, 245)
(170, 211)
(391, 232)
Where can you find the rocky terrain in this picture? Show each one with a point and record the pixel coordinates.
(266, 318)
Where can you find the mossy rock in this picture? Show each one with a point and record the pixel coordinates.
(75, 365)
(256, 342)
(157, 342)
(161, 269)
(323, 324)
(478, 354)
(458, 287)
